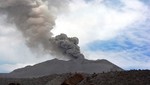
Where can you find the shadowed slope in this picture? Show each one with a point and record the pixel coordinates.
(56, 66)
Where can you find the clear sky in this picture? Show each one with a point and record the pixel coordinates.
(116, 30)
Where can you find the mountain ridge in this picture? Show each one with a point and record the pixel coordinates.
(56, 66)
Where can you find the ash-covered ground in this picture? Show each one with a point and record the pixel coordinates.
(132, 77)
(56, 66)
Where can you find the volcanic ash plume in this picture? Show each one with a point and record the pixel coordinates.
(35, 20)
(68, 46)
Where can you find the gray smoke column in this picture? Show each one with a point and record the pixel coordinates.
(35, 19)
(68, 46)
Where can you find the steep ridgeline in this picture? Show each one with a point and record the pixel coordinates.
(56, 66)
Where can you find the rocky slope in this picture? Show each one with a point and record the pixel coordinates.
(56, 66)
(134, 77)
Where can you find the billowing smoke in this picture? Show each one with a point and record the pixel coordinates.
(35, 19)
(68, 46)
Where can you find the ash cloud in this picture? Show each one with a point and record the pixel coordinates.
(35, 19)
(68, 46)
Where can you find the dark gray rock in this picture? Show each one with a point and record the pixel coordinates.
(56, 66)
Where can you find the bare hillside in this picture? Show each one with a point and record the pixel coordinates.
(133, 77)
(56, 66)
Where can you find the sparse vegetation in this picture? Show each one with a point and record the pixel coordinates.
(132, 77)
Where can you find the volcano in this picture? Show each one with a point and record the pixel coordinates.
(56, 66)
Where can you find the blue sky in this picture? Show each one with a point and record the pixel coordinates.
(116, 30)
